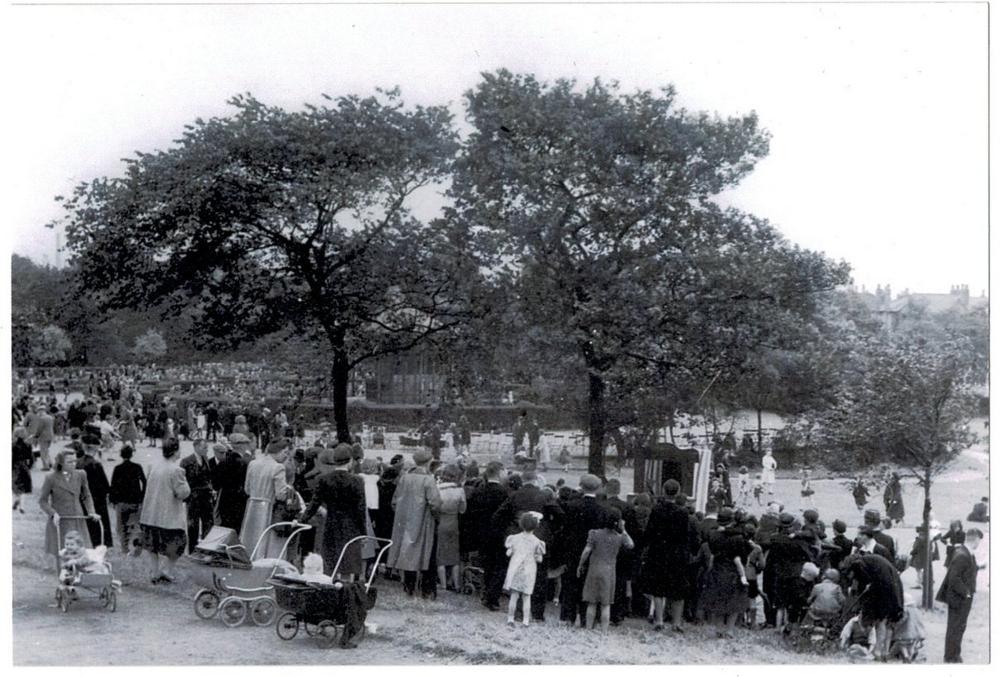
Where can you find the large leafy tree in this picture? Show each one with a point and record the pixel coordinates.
(601, 206)
(266, 218)
(906, 401)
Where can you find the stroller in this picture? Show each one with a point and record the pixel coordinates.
(822, 636)
(102, 585)
(234, 584)
(326, 610)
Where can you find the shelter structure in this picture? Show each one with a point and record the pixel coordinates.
(658, 462)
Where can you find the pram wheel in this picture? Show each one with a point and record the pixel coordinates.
(109, 598)
(262, 612)
(206, 605)
(469, 589)
(326, 635)
(62, 599)
(233, 611)
(287, 626)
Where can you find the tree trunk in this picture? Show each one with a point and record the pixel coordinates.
(341, 373)
(760, 432)
(928, 582)
(595, 458)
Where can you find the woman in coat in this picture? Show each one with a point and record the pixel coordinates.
(63, 493)
(22, 458)
(448, 543)
(725, 594)
(163, 519)
(881, 594)
(342, 494)
(416, 502)
(264, 485)
(893, 499)
(671, 540)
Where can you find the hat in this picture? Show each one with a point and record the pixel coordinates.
(743, 469)
(326, 458)
(239, 438)
(866, 531)
(420, 456)
(725, 517)
(220, 449)
(671, 487)
(873, 517)
(314, 452)
(590, 482)
(786, 520)
(276, 447)
(839, 526)
(809, 571)
(810, 515)
(341, 454)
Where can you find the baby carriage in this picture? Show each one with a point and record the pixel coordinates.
(822, 636)
(73, 580)
(233, 584)
(326, 610)
(472, 579)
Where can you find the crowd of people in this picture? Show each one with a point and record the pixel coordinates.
(595, 557)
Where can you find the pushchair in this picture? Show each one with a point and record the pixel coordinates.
(233, 584)
(821, 635)
(103, 585)
(326, 610)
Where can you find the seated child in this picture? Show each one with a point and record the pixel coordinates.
(857, 639)
(826, 601)
(75, 559)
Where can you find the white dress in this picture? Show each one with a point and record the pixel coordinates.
(768, 464)
(525, 551)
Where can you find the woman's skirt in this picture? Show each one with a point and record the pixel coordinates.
(722, 593)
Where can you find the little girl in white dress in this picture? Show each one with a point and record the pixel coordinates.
(525, 551)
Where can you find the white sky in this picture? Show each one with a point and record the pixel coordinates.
(878, 112)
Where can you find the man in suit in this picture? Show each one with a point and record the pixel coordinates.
(866, 543)
(582, 515)
(201, 501)
(97, 481)
(487, 536)
(43, 432)
(956, 591)
(873, 520)
(530, 498)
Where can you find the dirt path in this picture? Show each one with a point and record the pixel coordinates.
(161, 629)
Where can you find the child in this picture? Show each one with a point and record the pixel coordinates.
(918, 555)
(75, 559)
(743, 482)
(602, 551)
(807, 490)
(312, 570)
(826, 600)
(857, 639)
(564, 459)
(525, 551)
(908, 634)
(758, 490)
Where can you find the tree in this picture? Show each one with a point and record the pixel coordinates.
(50, 346)
(906, 402)
(150, 347)
(267, 219)
(600, 205)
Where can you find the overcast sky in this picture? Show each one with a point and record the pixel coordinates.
(878, 112)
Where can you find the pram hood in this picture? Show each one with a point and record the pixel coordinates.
(223, 542)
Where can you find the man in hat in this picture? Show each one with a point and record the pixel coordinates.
(581, 515)
(201, 500)
(873, 520)
(229, 479)
(785, 556)
(416, 502)
(97, 480)
(264, 485)
(957, 591)
(342, 494)
(486, 535)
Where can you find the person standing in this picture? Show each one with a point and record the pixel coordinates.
(211, 421)
(893, 499)
(229, 479)
(128, 488)
(582, 515)
(43, 432)
(453, 505)
(164, 514)
(672, 541)
(342, 494)
(881, 595)
(264, 485)
(416, 503)
(22, 459)
(534, 436)
(64, 493)
(957, 591)
(767, 467)
(485, 536)
(97, 480)
(201, 502)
